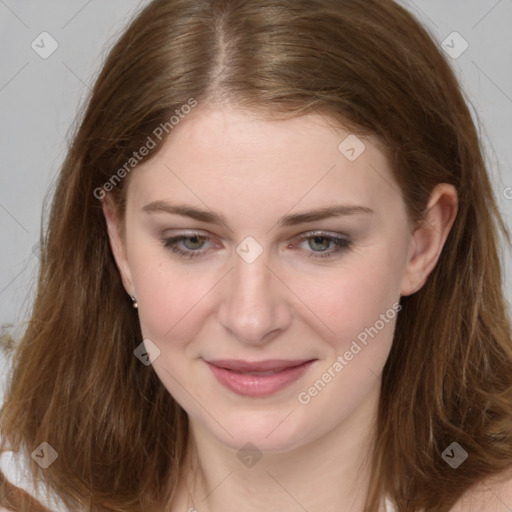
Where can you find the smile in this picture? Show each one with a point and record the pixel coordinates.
(258, 378)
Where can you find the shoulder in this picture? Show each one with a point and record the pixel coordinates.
(491, 495)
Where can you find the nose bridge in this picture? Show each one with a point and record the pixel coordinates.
(253, 303)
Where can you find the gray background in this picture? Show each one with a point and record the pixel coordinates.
(40, 97)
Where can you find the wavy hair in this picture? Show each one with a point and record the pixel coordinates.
(372, 68)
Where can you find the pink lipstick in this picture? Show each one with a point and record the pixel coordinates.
(258, 378)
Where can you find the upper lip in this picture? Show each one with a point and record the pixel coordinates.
(238, 365)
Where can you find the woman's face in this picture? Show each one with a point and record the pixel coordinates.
(272, 317)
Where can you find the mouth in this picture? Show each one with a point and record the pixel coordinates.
(260, 378)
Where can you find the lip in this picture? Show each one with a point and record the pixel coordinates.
(260, 378)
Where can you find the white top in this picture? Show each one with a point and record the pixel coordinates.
(389, 506)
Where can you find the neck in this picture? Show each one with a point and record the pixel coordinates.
(330, 474)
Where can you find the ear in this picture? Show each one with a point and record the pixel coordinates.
(117, 243)
(429, 237)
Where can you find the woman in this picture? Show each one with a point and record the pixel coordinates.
(270, 278)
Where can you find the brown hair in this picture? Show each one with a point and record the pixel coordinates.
(372, 68)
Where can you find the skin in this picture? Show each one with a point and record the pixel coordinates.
(287, 304)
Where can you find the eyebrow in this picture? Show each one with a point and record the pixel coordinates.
(212, 217)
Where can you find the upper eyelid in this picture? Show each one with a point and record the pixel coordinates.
(326, 234)
(305, 234)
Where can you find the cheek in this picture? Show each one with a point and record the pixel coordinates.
(351, 298)
(360, 306)
(167, 303)
(163, 296)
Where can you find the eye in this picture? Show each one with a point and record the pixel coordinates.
(320, 243)
(323, 245)
(193, 244)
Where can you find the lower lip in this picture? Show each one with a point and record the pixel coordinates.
(258, 385)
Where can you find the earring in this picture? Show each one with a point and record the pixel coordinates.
(135, 304)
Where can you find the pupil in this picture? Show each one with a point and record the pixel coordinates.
(317, 238)
(194, 239)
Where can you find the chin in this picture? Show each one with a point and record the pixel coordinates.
(265, 430)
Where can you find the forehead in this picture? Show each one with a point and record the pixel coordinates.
(219, 155)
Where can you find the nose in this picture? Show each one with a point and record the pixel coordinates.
(255, 304)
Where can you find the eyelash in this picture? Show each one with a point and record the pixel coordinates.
(341, 245)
